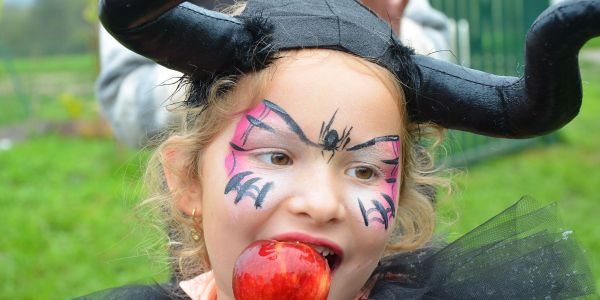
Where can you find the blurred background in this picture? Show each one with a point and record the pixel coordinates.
(68, 189)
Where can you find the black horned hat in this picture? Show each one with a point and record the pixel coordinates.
(205, 45)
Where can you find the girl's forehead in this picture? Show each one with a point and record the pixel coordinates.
(312, 86)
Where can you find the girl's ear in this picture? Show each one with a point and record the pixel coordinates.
(184, 186)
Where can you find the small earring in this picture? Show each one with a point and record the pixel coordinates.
(195, 235)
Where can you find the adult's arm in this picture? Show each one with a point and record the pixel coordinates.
(426, 30)
(134, 92)
(418, 24)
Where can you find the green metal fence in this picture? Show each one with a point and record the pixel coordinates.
(489, 35)
(14, 101)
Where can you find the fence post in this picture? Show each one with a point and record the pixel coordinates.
(16, 81)
(495, 31)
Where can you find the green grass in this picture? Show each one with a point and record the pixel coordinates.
(66, 204)
(34, 87)
(67, 213)
(593, 43)
(83, 63)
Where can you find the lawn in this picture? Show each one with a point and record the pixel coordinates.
(32, 88)
(67, 202)
(67, 199)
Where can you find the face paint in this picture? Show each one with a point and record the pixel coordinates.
(381, 209)
(262, 117)
(291, 124)
(378, 208)
(330, 139)
(244, 183)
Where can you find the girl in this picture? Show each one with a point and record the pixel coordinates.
(302, 122)
(274, 168)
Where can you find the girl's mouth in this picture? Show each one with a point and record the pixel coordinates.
(333, 260)
(332, 252)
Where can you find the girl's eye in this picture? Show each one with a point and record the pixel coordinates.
(363, 173)
(276, 158)
(280, 159)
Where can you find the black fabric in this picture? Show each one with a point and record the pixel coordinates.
(169, 291)
(206, 45)
(212, 4)
(291, 24)
(519, 254)
(343, 25)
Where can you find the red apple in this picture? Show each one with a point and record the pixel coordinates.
(280, 270)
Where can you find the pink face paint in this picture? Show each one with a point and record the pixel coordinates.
(380, 210)
(234, 161)
(256, 118)
(230, 163)
(243, 183)
(392, 178)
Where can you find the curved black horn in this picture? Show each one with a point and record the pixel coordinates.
(546, 98)
(180, 36)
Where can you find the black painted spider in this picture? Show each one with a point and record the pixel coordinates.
(330, 140)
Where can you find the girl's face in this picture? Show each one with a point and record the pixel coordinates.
(314, 159)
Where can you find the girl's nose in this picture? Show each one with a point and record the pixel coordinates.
(319, 200)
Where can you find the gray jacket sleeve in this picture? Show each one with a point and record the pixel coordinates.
(134, 92)
(426, 30)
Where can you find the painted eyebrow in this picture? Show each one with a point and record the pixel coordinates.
(372, 142)
(292, 125)
(258, 123)
(277, 133)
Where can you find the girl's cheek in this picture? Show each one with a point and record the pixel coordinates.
(235, 162)
(390, 184)
(375, 207)
(248, 187)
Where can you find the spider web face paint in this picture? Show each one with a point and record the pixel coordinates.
(329, 139)
(243, 183)
(380, 210)
(249, 188)
(377, 209)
